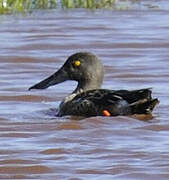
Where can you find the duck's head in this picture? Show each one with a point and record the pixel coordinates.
(83, 67)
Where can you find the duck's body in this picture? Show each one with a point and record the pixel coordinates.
(96, 102)
(88, 99)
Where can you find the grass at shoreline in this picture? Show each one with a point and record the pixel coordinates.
(13, 6)
(89, 4)
(22, 6)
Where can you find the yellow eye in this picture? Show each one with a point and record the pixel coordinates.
(77, 63)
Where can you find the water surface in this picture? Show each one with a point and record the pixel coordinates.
(134, 48)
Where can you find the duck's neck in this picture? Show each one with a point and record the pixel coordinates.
(86, 85)
(82, 87)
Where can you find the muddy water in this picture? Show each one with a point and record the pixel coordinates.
(134, 47)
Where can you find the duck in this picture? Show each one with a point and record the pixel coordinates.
(89, 99)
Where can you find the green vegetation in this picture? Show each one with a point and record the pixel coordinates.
(90, 4)
(11, 6)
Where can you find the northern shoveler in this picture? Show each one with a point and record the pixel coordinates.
(88, 99)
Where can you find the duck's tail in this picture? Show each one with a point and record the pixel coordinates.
(143, 106)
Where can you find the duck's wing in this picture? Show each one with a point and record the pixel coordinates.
(135, 95)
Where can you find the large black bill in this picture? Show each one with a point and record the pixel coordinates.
(56, 78)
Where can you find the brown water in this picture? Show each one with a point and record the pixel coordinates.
(134, 47)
